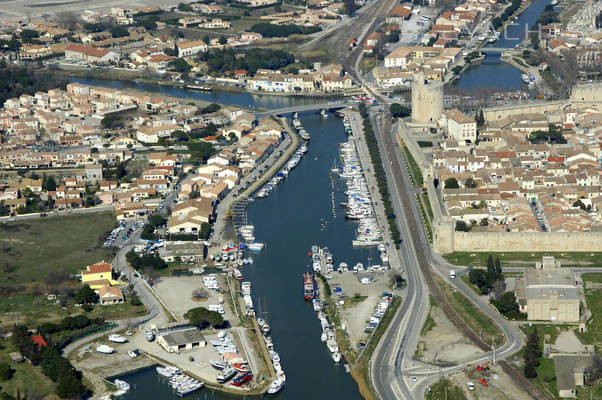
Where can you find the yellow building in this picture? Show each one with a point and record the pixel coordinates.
(98, 275)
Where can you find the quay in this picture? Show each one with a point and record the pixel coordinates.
(238, 202)
(357, 132)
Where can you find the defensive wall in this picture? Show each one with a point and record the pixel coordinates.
(583, 95)
(447, 240)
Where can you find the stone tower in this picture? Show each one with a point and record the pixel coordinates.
(427, 100)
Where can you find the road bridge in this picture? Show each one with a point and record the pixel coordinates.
(333, 105)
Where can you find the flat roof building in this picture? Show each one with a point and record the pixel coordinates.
(548, 293)
(180, 337)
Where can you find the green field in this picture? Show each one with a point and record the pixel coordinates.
(30, 249)
(444, 389)
(593, 296)
(25, 377)
(478, 321)
(523, 259)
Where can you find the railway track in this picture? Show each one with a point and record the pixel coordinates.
(422, 248)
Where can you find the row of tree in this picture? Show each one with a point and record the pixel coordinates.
(54, 365)
(379, 173)
(139, 262)
(222, 60)
(487, 280)
(204, 318)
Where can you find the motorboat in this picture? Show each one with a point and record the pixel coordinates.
(123, 385)
(133, 353)
(218, 364)
(240, 367)
(117, 338)
(237, 274)
(103, 348)
(168, 371)
(336, 356)
(226, 374)
(276, 386)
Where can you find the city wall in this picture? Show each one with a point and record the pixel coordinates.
(447, 240)
(405, 137)
(583, 95)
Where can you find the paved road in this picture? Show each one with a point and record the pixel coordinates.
(219, 228)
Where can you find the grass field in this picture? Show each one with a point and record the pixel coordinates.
(444, 389)
(476, 319)
(32, 310)
(520, 259)
(414, 169)
(593, 296)
(30, 249)
(25, 377)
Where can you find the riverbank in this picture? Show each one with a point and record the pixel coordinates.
(223, 229)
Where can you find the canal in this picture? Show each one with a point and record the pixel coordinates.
(492, 72)
(236, 98)
(303, 210)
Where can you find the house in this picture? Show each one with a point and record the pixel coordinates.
(398, 14)
(33, 52)
(180, 337)
(98, 275)
(110, 295)
(190, 48)
(93, 173)
(151, 134)
(88, 54)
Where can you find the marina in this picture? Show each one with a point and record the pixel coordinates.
(276, 272)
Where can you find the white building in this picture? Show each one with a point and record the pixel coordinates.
(460, 126)
(186, 49)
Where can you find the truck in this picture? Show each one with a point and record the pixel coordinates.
(452, 274)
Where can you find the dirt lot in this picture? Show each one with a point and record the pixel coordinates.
(356, 311)
(176, 292)
(443, 342)
(500, 386)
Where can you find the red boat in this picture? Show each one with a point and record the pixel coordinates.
(308, 286)
(242, 379)
(240, 367)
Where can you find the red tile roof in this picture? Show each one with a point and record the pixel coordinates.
(98, 268)
(39, 341)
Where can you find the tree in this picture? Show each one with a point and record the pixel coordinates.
(69, 386)
(6, 372)
(29, 35)
(211, 108)
(86, 295)
(350, 6)
(223, 40)
(478, 277)
(480, 118)
(399, 111)
(179, 65)
(462, 227)
(506, 304)
(532, 354)
(451, 183)
(49, 184)
(579, 204)
(470, 183)
(498, 289)
(202, 317)
(111, 122)
(119, 31)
